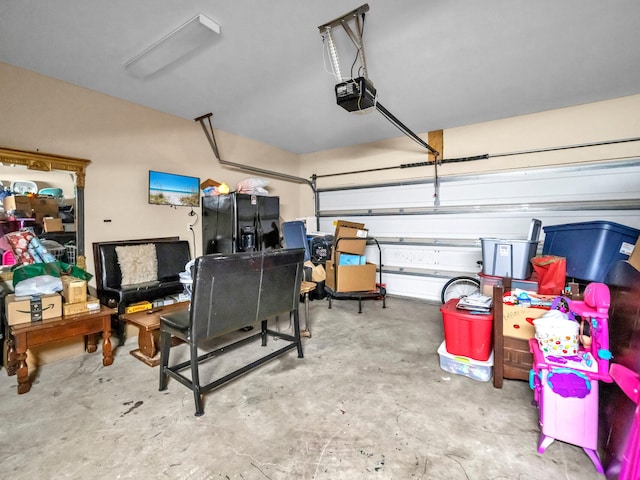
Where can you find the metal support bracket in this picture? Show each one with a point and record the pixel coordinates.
(205, 123)
(357, 17)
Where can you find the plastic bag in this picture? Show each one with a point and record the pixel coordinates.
(552, 274)
(40, 285)
(221, 189)
(253, 186)
(55, 269)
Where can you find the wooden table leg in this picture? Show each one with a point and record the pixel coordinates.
(92, 343)
(24, 384)
(12, 361)
(107, 353)
(21, 338)
(306, 332)
(148, 342)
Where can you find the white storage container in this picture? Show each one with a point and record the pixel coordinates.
(468, 367)
(508, 258)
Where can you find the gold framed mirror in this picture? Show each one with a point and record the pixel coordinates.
(47, 162)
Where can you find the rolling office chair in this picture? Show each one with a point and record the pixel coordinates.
(294, 235)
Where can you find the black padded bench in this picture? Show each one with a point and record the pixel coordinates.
(231, 291)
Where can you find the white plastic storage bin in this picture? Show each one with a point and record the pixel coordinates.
(468, 367)
(508, 258)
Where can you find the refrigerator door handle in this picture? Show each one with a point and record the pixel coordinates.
(257, 224)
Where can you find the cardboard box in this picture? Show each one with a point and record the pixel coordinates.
(355, 247)
(344, 223)
(32, 309)
(209, 183)
(44, 205)
(74, 290)
(345, 229)
(634, 258)
(351, 278)
(517, 321)
(17, 202)
(40, 217)
(92, 304)
(52, 224)
(318, 273)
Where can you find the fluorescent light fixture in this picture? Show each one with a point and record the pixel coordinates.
(187, 38)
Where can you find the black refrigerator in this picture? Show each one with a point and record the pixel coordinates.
(240, 222)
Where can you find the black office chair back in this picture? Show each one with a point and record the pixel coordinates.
(294, 235)
(235, 290)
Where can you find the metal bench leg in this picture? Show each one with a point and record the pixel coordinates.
(165, 346)
(306, 331)
(195, 380)
(296, 328)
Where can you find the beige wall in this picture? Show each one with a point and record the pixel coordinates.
(123, 141)
(607, 120)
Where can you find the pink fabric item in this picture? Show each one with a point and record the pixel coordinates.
(4, 243)
(8, 258)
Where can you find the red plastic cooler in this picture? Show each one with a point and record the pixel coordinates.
(467, 334)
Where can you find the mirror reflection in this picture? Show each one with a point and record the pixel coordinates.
(44, 192)
(44, 201)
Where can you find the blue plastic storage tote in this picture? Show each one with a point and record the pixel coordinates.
(591, 248)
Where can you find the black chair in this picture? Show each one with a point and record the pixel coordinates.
(231, 291)
(294, 234)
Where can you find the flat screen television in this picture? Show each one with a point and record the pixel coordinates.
(174, 190)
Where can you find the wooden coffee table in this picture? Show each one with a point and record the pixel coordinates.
(24, 336)
(148, 323)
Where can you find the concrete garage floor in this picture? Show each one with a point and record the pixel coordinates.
(368, 401)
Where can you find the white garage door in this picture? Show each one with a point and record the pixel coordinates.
(423, 245)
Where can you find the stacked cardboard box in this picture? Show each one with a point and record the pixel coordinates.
(348, 270)
(40, 208)
(76, 300)
(51, 224)
(21, 203)
(32, 309)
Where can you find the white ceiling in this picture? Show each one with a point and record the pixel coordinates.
(435, 63)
